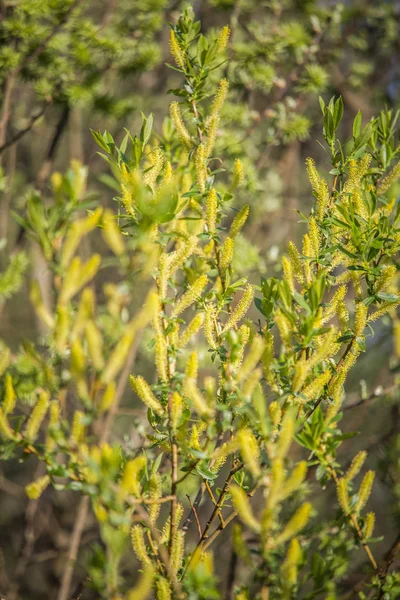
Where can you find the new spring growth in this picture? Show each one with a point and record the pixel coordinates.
(369, 525)
(356, 465)
(10, 397)
(226, 254)
(191, 330)
(249, 451)
(37, 415)
(285, 435)
(94, 341)
(54, 424)
(209, 318)
(385, 183)
(319, 187)
(237, 176)
(176, 51)
(288, 273)
(314, 389)
(239, 221)
(5, 430)
(107, 398)
(77, 275)
(315, 237)
(175, 410)
(143, 588)
(139, 546)
(130, 482)
(163, 589)
(35, 489)
(291, 563)
(243, 508)
(142, 388)
(240, 309)
(252, 358)
(78, 428)
(176, 116)
(343, 496)
(75, 234)
(201, 167)
(275, 413)
(36, 298)
(296, 524)
(223, 38)
(365, 491)
(385, 278)
(191, 295)
(211, 210)
(360, 319)
(112, 234)
(294, 481)
(177, 550)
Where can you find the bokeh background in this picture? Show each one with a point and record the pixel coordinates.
(68, 66)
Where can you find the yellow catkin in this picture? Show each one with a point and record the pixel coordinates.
(175, 411)
(36, 299)
(396, 337)
(313, 390)
(249, 451)
(177, 550)
(252, 358)
(192, 366)
(227, 252)
(5, 430)
(275, 413)
(212, 130)
(243, 508)
(163, 589)
(176, 116)
(385, 308)
(296, 263)
(223, 38)
(294, 481)
(284, 326)
(286, 435)
(251, 383)
(191, 295)
(201, 166)
(35, 489)
(315, 237)
(288, 273)
(209, 317)
(139, 546)
(296, 523)
(307, 253)
(244, 336)
(343, 496)
(108, 397)
(356, 465)
(385, 183)
(95, 345)
(191, 330)
(365, 490)
(369, 525)
(142, 388)
(211, 210)
(10, 396)
(176, 51)
(112, 234)
(54, 422)
(241, 308)
(161, 357)
(143, 588)
(330, 310)
(360, 319)
(155, 487)
(237, 175)
(239, 221)
(78, 428)
(197, 399)
(154, 167)
(177, 259)
(385, 278)
(167, 527)
(37, 415)
(290, 565)
(130, 482)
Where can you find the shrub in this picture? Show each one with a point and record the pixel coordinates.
(245, 411)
